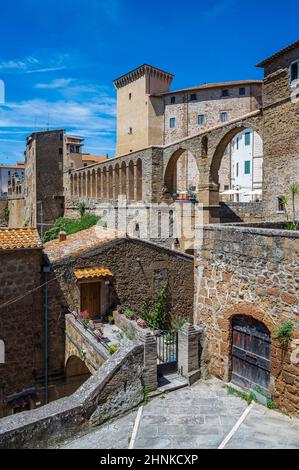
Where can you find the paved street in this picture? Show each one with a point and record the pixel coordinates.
(197, 417)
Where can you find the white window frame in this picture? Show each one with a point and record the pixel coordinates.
(172, 119)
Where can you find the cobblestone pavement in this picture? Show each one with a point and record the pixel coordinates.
(197, 417)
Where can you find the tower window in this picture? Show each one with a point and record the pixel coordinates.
(200, 119)
(172, 122)
(242, 91)
(294, 71)
(172, 100)
(223, 117)
(224, 93)
(193, 97)
(130, 130)
(130, 96)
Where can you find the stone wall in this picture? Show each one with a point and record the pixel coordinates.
(240, 212)
(21, 325)
(281, 130)
(16, 208)
(254, 272)
(115, 389)
(3, 205)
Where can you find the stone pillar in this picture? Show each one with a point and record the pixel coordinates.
(149, 375)
(189, 352)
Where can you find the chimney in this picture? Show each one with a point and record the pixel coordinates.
(62, 236)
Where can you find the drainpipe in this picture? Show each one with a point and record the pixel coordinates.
(46, 270)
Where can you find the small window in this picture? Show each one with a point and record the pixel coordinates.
(224, 93)
(242, 91)
(237, 169)
(130, 96)
(247, 167)
(247, 138)
(223, 117)
(130, 130)
(193, 97)
(295, 71)
(172, 99)
(280, 204)
(60, 151)
(201, 119)
(226, 187)
(172, 122)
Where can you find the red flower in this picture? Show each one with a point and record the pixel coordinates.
(84, 314)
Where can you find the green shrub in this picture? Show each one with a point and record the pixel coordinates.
(6, 214)
(284, 333)
(156, 313)
(70, 226)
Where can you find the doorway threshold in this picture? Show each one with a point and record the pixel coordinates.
(169, 383)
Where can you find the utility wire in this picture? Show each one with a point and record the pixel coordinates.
(17, 299)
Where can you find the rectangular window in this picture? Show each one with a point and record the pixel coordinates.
(242, 91)
(130, 130)
(193, 96)
(60, 151)
(200, 119)
(247, 167)
(280, 203)
(295, 71)
(172, 99)
(172, 122)
(130, 96)
(223, 117)
(237, 169)
(247, 138)
(224, 93)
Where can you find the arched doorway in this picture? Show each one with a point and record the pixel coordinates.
(139, 180)
(123, 178)
(131, 181)
(251, 345)
(76, 373)
(110, 182)
(93, 185)
(116, 182)
(181, 176)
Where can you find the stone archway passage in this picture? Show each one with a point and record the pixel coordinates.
(251, 343)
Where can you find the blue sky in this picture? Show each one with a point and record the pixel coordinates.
(58, 58)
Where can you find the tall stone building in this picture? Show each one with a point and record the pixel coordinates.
(44, 194)
(281, 130)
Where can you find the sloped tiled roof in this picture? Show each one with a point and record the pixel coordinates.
(19, 238)
(92, 273)
(278, 54)
(78, 243)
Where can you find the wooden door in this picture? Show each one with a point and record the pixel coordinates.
(91, 298)
(250, 353)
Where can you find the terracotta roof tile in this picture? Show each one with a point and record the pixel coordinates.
(212, 85)
(278, 54)
(17, 238)
(92, 273)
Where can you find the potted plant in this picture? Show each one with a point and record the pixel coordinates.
(141, 323)
(98, 334)
(129, 314)
(84, 318)
(111, 319)
(168, 338)
(113, 348)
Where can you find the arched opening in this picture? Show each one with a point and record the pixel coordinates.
(88, 184)
(139, 180)
(99, 183)
(181, 176)
(80, 185)
(72, 185)
(84, 185)
(123, 178)
(250, 353)
(131, 181)
(110, 182)
(116, 181)
(76, 373)
(93, 184)
(76, 185)
(237, 166)
(104, 189)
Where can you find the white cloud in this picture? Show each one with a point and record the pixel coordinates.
(41, 63)
(55, 84)
(218, 8)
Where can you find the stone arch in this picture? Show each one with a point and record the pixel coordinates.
(99, 183)
(72, 185)
(104, 188)
(123, 178)
(139, 180)
(222, 145)
(110, 182)
(75, 367)
(131, 195)
(116, 181)
(2, 352)
(204, 146)
(171, 183)
(93, 184)
(88, 184)
(80, 185)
